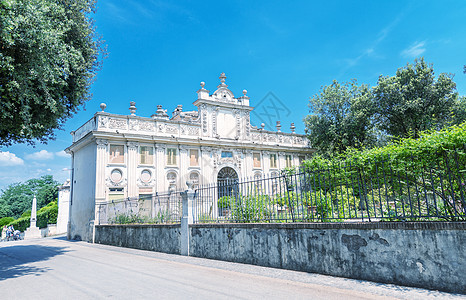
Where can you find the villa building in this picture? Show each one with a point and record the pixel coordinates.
(119, 156)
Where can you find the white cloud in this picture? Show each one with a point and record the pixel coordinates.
(10, 159)
(62, 154)
(49, 170)
(41, 155)
(415, 50)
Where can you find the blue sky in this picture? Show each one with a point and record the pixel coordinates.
(159, 52)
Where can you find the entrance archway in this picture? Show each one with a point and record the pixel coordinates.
(227, 182)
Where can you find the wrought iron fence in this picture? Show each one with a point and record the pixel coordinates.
(414, 189)
(158, 208)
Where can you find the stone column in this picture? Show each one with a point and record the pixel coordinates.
(132, 167)
(187, 219)
(248, 163)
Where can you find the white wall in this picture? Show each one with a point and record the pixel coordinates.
(82, 208)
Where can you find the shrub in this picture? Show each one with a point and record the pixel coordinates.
(5, 220)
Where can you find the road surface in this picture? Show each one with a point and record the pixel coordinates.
(54, 268)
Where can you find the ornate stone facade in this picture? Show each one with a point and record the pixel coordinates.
(129, 155)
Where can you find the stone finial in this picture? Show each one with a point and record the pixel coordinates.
(262, 126)
(222, 81)
(103, 106)
(132, 108)
(292, 127)
(202, 84)
(245, 92)
(222, 77)
(279, 126)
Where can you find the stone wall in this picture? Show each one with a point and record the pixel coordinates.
(427, 255)
(160, 238)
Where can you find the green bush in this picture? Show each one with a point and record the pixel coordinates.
(26, 214)
(225, 202)
(5, 220)
(46, 215)
(21, 224)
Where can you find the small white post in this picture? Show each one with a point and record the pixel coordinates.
(187, 218)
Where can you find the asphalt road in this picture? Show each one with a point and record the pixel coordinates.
(54, 268)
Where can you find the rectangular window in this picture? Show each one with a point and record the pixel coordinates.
(193, 157)
(146, 155)
(171, 156)
(288, 161)
(117, 154)
(256, 157)
(273, 161)
(227, 154)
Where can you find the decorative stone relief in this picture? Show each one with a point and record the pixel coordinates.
(146, 178)
(256, 136)
(103, 121)
(204, 118)
(117, 124)
(248, 125)
(214, 122)
(132, 145)
(116, 179)
(146, 126)
(101, 142)
(238, 123)
(133, 124)
(171, 129)
(193, 130)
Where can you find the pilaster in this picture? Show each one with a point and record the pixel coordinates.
(160, 167)
(132, 165)
(101, 163)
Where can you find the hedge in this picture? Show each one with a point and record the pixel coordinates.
(46, 215)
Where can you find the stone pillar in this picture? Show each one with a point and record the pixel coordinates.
(132, 168)
(63, 207)
(33, 231)
(187, 219)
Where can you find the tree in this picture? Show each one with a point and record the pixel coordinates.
(17, 197)
(340, 118)
(413, 100)
(49, 55)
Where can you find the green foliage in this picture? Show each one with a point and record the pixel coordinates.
(251, 208)
(162, 217)
(426, 171)
(26, 214)
(46, 215)
(21, 224)
(49, 55)
(17, 197)
(225, 202)
(5, 220)
(341, 118)
(413, 100)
